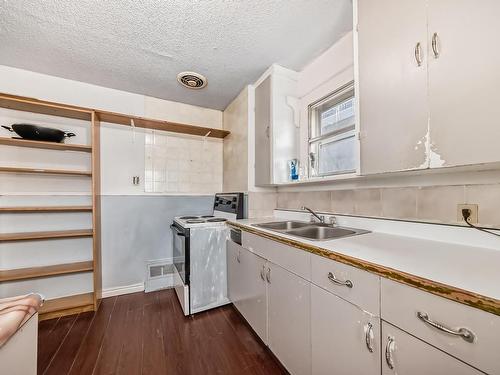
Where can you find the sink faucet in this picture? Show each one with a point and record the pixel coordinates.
(320, 218)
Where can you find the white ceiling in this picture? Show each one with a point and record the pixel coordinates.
(140, 46)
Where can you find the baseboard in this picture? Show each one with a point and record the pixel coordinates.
(127, 289)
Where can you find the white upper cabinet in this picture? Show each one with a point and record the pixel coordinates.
(392, 83)
(464, 81)
(276, 126)
(427, 83)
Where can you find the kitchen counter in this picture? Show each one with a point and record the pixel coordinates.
(466, 274)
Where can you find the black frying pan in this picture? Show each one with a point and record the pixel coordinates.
(38, 133)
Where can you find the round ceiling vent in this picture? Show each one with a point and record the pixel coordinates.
(192, 80)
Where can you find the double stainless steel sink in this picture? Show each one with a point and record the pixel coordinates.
(310, 230)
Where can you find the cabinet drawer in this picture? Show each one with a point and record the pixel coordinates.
(401, 304)
(405, 354)
(365, 289)
(290, 258)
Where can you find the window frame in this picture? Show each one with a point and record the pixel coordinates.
(341, 94)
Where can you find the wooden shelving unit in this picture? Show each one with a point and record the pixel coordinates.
(66, 172)
(44, 145)
(48, 235)
(79, 302)
(42, 209)
(45, 271)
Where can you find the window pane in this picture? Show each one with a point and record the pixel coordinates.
(336, 117)
(337, 156)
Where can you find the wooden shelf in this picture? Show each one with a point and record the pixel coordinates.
(28, 236)
(46, 209)
(45, 271)
(26, 104)
(21, 103)
(66, 306)
(65, 172)
(44, 145)
(141, 122)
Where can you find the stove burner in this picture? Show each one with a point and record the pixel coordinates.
(188, 217)
(195, 221)
(215, 220)
(206, 216)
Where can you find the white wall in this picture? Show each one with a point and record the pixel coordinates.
(236, 144)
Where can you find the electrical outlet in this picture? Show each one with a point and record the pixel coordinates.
(474, 208)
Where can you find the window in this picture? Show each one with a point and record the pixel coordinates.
(332, 136)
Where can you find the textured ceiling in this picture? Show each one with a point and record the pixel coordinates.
(140, 46)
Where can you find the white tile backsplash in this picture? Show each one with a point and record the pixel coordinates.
(182, 164)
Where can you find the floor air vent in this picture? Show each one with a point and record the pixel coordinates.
(160, 275)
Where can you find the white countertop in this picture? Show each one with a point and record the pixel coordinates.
(472, 268)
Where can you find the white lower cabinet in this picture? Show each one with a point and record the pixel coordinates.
(289, 319)
(407, 355)
(247, 286)
(344, 339)
(320, 328)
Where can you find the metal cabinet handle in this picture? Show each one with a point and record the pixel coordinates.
(369, 336)
(268, 131)
(238, 256)
(464, 333)
(268, 275)
(262, 272)
(389, 347)
(434, 43)
(418, 54)
(333, 279)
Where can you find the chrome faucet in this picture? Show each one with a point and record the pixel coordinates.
(320, 218)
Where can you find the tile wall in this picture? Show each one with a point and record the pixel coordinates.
(177, 163)
(435, 204)
(261, 204)
(235, 120)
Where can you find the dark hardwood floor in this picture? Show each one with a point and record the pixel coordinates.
(146, 333)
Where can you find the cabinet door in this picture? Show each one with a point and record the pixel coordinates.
(289, 319)
(344, 339)
(263, 133)
(254, 297)
(410, 356)
(247, 287)
(392, 92)
(234, 281)
(464, 81)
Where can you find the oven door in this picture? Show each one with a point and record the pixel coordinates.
(181, 251)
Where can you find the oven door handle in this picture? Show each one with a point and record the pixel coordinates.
(173, 227)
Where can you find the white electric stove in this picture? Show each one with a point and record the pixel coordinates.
(199, 243)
